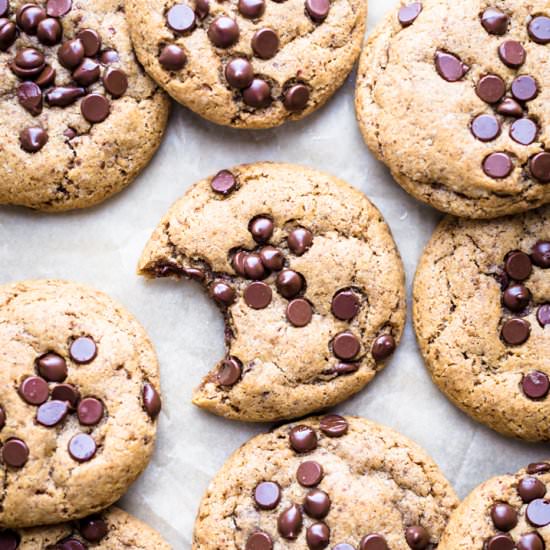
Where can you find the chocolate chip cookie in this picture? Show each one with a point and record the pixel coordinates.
(307, 276)
(112, 529)
(333, 482)
(79, 402)
(455, 98)
(79, 119)
(482, 318)
(248, 63)
(509, 512)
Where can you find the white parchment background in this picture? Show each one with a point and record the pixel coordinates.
(101, 246)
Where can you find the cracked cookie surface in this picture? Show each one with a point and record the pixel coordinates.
(482, 319)
(307, 275)
(455, 99)
(112, 529)
(337, 482)
(248, 63)
(80, 118)
(79, 402)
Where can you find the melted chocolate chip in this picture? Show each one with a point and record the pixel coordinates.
(543, 315)
(29, 95)
(253, 267)
(151, 400)
(62, 96)
(87, 72)
(9, 540)
(47, 77)
(33, 139)
(261, 228)
(538, 468)
(501, 541)
(510, 107)
(8, 34)
(28, 17)
(530, 541)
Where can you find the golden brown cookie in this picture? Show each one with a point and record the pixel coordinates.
(308, 278)
(79, 118)
(78, 405)
(330, 482)
(482, 318)
(248, 63)
(454, 97)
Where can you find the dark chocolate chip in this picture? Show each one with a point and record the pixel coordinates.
(239, 73)
(530, 541)
(66, 392)
(230, 371)
(296, 98)
(491, 88)
(202, 8)
(510, 107)
(383, 347)
(540, 254)
(341, 369)
(115, 81)
(516, 331)
(87, 72)
(253, 267)
(540, 167)
(90, 411)
(52, 367)
(93, 528)
(257, 295)
(259, 541)
(535, 385)
(258, 94)
(71, 53)
(518, 265)
(62, 96)
(299, 312)
(374, 541)
(4, 7)
(82, 447)
(52, 413)
(344, 546)
(512, 54)
(524, 88)
(317, 504)
(83, 350)
(8, 34)
(317, 536)
(309, 473)
(524, 131)
(334, 425)
(151, 400)
(318, 9)
(181, 18)
(28, 63)
(345, 345)
(261, 228)
(251, 8)
(495, 21)
(108, 56)
(223, 293)
(289, 522)
(272, 258)
(223, 182)
(70, 544)
(47, 77)
(29, 95)
(516, 297)
(9, 540)
(538, 512)
(265, 43)
(95, 108)
(49, 31)
(303, 439)
(485, 127)
(34, 390)
(498, 165)
(531, 488)
(501, 541)
(543, 315)
(33, 139)
(538, 468)
(449, 66)
(15, 453)
(172, 58)
(267, 495)
(223, 32)
(299, 240)
(289, 283)
(417, 537)
(2, 418)
(407, 14)
(58, 8)
(539, 29)
(345, 305)
(91, 42)
(504, 517)
(28, 16)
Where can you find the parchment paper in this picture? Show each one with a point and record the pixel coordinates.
(101, 246)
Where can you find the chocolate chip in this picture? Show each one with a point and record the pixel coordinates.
(495, 21)
(70, 544)
(383, 347)
(108, 56)
(9, 540)
(485, 127)
(58, 8)
(223, 293)
(115, 82)
(317, 504)
(15, 453)
(71, 53)
(93, 528)
(261, 228)
(407, 14)
(539, 29)
(4, 7)
(524, 88)
(28, 63)
(309, 474)
(318, 9)
(516, 297)
(299, 312)
(238, 262)
(540, 167)
(540, 254)
(538, 468)
(202, 8)
(52, 412)
(344, 546)
(373, 541)
(317, 536)
(498, 165)
(172, 58)
(518, 265)
(52, 367)
(535, 385)
(449, 66)
(299, 240)
(259, 541)
(90, 411)
(272, 258)
(289, 522)
(289, 283)
(223, 32)
(258, 94)
(33, 139)
(2, 418)
(91, 42)
(341, 369)
(504, 517)
(491, 88)
(47, 77)
(83, 350)
(417, 537)
(524, 131)
(303, 439)
(66, 392)
(239, 73)
(251, 8)
(28, 16)
(530, 541)
(345, 305)
(267, 495)
(543, 315)
(223, 182)
(181, 18)
(95, 108)
(151, 400)
(516, 331)
(29, 95)
(265, 43)
(257, 295)
(334, 425)
(87, 72)
(34, 390)
(500, 542)
(512, 54)
(345, 345)
(8, 34)
(510, 107)
(82, 447)
(253, 266)
(230, 371)
(531, 488)
(538, 512)
(296, 98)
(63, 96)
(49, 31)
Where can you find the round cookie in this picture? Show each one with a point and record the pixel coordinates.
(111, 529)
(248, 63)
(307, 276)
(79, 405)
(454, 97)
(342, 483)
(508, 512)
(482, 318)
(80, 119)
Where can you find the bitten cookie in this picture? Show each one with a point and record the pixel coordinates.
(248, 63)
(482, 318)
(79, 402)
(508, 512)
(330, 482)
(307, 276)
(455, 98)
(79, 119)
(112, 529)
